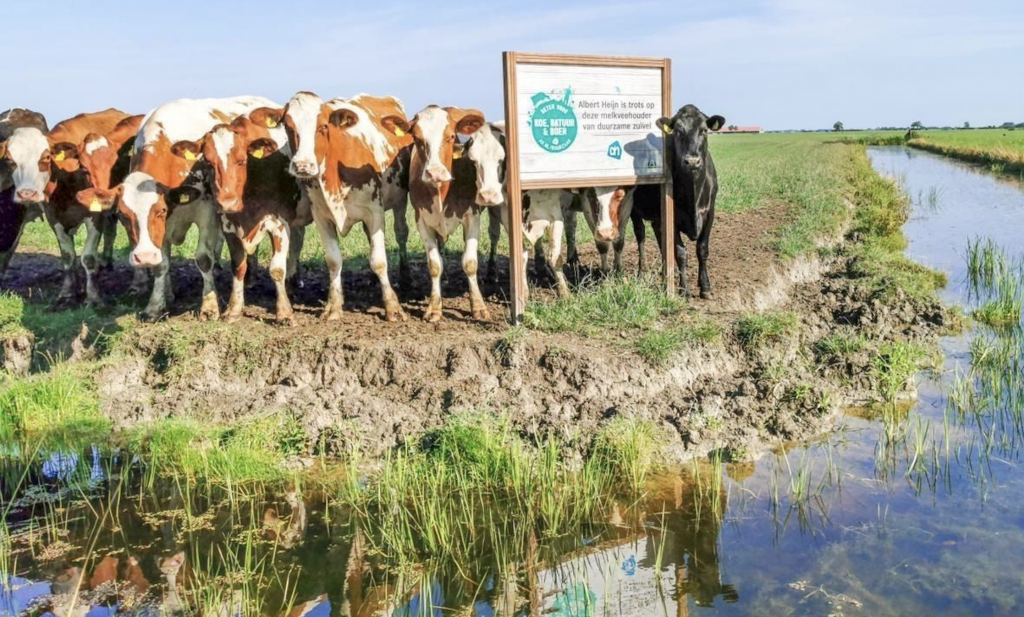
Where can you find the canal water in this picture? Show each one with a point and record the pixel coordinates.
(912, 510)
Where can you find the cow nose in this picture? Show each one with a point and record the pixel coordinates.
(28, 195)
(489, 198)
(146, 258)
(607, 234)
(437, 175)
(230, 204)
(693, 161)
(305, 169)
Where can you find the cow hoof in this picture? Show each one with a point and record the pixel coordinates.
(209, 315)
(331, 315)
(153, 316)
(707, 295)
(96, 304)
(285, 319)
(433, 315)
(395, 314)
(231, 317)
(482, 314)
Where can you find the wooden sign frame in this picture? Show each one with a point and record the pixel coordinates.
(517, 265)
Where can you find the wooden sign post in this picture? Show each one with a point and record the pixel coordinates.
(584, 121)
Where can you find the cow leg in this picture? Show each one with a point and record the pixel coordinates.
(161, 294)
(555, 258)
(239, 265)
(297, 239)
(279, 238)
(402, 236)
(640, 232)
(95, 230)
(435, 266)
(471, 235)
(211, 242)
(379, 265)
(618, 245)
(681, 259)
(494, 234)
(703, 246)
(66, 242)
(573, 257)
(332, 253)
(107, 226)
(602, 250)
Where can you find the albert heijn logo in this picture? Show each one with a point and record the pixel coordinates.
(615, 150)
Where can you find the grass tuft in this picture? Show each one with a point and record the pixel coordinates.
(758, 330)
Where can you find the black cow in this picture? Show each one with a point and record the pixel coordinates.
(13, 216)
(694, 189)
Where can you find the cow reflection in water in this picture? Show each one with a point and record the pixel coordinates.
(287, 532)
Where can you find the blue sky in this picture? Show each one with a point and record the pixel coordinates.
(776, 63)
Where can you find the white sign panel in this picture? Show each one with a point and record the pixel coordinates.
(588, 122)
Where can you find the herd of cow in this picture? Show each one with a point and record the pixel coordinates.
(241, 169)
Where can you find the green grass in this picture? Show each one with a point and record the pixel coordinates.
(657, 346)
(54, 405)
(895, 366)
(841, 344)
(611, 305)
(757, 330)
(1002, 149)
(12, 311)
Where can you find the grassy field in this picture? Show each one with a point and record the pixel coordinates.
(1000, 149)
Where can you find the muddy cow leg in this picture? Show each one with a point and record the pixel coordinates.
(211, 241)
(494, 234)
(555, 258)
(602, 249)
(94, 232)
(618, 245)
(435, 266)
(573, 256)
(379, 264)
(681, 259)
(332, 254)
(239, 265)
(296, 241)
(470, 257)
(161, 294)
(280, 237)
(66, 242)
(12, 223)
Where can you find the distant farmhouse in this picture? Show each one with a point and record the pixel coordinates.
(741, 129)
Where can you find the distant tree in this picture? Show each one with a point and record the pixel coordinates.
(916, 126)
(733, 127)
(837, 127)
(967, 125)
(1006, 125)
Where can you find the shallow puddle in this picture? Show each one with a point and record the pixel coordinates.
(902, 511)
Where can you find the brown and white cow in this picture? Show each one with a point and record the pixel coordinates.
(78, 154)
(256, 197)
(606, 211)
(13, 215)
(448, 192)
(351, 157)
(165, 192)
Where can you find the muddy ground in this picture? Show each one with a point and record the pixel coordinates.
(367, 384)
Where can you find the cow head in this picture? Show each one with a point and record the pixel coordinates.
(305, 120)
(27, 155)
(104, 161)
(608, 206)
(434, 132)
(687, 133)
(144, 205)
(486, 150)
(227, 148)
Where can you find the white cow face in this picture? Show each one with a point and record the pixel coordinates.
(305, 120)
(27, 155)
(486, 151)
(434, 131)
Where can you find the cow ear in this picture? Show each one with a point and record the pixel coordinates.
(63, 150)
(396, 124)
(467, 121)
(99, 200)
(343, 118)
(188, 150)
(716, 122)
(665, 124)
(261, 148)
(267, 116)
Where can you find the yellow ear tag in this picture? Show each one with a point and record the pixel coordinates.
(271, 123)
(456, 155)
(258, 153)
(95, 205)
(183, 198)
(60, 156)
(189, 155)
(667, 129)
(399, 132)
